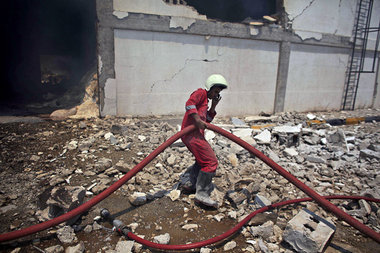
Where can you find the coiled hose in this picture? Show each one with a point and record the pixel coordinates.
(84, 207)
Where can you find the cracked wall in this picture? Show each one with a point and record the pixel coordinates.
(313, 18)
(176, 65)
(152, 55)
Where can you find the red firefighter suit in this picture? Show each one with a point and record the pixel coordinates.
(195, 141)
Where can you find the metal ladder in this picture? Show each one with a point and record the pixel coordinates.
(359, 49)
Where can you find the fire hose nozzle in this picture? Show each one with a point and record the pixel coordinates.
(120, 227)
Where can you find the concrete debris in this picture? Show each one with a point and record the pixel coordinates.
(230, 246)
(174, 195)
(238, 122)
(367, 153)
(66, 235)
(124, 247)
(308, 233)
(190, 227)
(55, 249)
(162, 239)
(138, 198)
(60, 200)
(328, 159)
(264, 137)
(76, 249)
(265, 230)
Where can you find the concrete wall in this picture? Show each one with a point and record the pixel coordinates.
(152, 55)
(315, 78)
(174, 65)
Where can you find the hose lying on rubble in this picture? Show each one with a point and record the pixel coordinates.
(84, 207)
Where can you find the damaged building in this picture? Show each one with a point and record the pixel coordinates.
(277, 55)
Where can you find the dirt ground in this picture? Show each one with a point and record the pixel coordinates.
(23, 182)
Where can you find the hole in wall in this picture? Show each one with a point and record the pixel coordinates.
(233, 10)
(51, 46)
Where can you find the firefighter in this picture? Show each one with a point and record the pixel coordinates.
(199, 176)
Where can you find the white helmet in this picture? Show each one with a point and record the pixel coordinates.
(215, 79)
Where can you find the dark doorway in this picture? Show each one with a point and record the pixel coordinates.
(49, 47)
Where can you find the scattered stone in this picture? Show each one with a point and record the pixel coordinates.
(66, 235)
(311, 116)
(171, 160)
(174, 194)
(88, 229)
(315, 159)
(229, 246)
(367, 153)
(190, 227)
(205, 250)
(76, 249)
(162, 239)
(238, 122)
(262, 201)
(138, 198)
(219, 217)
(307, 232)
(264, 137)
(123, 166)
(55, 249)
(65, 199)
(102, 164)
(290, 152)
(124, 247)
(7, 208)
(242, 132)
(141, 138)
(209, 135)
(265, 230)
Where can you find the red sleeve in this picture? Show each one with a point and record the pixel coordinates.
(193, 101)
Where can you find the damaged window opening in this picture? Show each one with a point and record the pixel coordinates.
(244, 11)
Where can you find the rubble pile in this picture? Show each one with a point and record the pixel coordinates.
(84, 157)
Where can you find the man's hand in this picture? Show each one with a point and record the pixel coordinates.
(198, 122)
(215, 101)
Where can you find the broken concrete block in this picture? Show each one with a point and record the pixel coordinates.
(265, 230)
(138, 198)
(315, 159)
(288, 129)
(65, 199)
(238, 122)
(124, 246)
(102, 164)
(162, 239)
(308, 233)
(262, 201)
(264, 137)
(122, 166)
(290, 152)
(242, 132)
(367, 153)
(66, 234)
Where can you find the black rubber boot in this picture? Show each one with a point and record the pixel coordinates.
(204, 187)
(190, 178)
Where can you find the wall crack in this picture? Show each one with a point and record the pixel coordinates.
(307, 7)
(180, 70)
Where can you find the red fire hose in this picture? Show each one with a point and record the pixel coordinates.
(84, 207)
(95, 200)
(234, 229)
